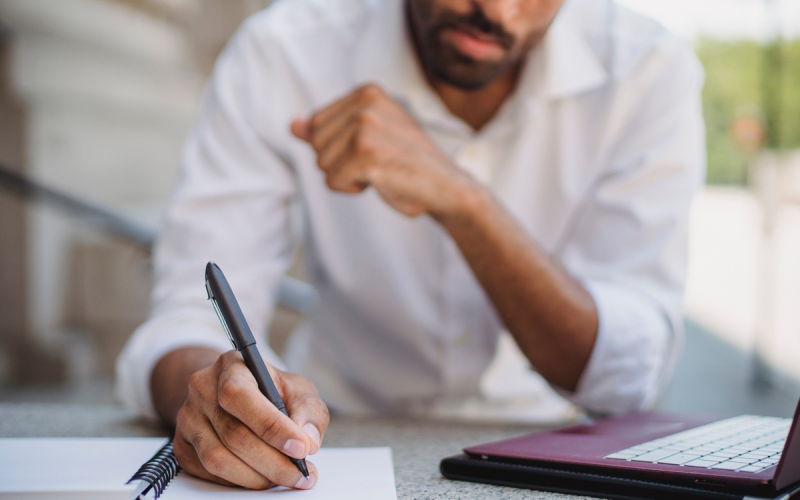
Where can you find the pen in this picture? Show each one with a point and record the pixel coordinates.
(221, 296)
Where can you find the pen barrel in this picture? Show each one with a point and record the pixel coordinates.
(258, 368)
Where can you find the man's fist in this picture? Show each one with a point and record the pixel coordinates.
(368, 139)
(228, 432)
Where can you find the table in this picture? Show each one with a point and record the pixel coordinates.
(417, 445)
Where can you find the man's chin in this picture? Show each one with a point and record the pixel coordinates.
(467, 75)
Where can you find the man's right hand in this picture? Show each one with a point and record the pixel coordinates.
(228, 432)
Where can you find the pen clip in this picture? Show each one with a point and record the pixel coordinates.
(219, 314)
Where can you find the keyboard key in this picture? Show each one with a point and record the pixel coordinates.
(751, 468)
(679, 459)
(764, 464)
(738, 440)
(654, 456)
(701, 463)
(705, 449)
(729, 466)
(645, 447)
(743, 460)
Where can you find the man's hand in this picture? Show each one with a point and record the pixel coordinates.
(228, 432)
(368, 139)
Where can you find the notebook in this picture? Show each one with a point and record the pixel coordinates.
(99, 468)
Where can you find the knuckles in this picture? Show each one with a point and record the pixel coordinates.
(367, 117)
(369, 93)
(230, 392)
(318, 407)
(236, 436)
(271, 426)
(214, 460)
(197, 384)
(362, 142)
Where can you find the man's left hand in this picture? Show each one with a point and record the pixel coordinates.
(367, 139)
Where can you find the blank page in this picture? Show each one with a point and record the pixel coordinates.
(88, 468)
(344, 474)
(72, 467)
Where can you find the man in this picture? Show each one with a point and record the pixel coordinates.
(463, 167)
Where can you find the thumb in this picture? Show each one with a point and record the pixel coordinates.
(301, 129)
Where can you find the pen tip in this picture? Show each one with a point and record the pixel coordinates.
(308, 479)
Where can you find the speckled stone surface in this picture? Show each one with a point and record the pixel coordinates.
(417, 445)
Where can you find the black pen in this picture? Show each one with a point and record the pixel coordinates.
(221, 295)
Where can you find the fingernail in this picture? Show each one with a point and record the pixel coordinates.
(295, 448)
(313, 433)
(304, 484)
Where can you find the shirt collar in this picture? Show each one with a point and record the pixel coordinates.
(563, 65)
(571, 65)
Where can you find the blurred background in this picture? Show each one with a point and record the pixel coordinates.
(97, 97)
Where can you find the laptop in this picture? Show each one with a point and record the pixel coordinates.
(646, 455)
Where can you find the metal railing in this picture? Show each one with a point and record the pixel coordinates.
(292, 293)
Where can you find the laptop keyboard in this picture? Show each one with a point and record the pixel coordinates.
(746, 443)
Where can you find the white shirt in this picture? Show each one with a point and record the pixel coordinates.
(597, 154)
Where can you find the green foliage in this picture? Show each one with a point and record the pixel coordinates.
(742, 76)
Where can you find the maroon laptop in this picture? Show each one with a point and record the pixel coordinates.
(646, 456)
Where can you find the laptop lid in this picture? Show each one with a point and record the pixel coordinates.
(586, 446)
(788, 470)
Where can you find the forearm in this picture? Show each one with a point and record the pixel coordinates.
(552, 317)
(169, 382)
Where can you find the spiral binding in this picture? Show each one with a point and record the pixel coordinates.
(158, 471)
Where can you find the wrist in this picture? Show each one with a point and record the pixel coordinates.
(169, 380)
(464, 200)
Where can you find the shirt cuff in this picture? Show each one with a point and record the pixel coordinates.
(635, 347)
(159, 336)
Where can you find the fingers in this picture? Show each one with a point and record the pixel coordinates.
(263, 458)
(357, 98)
(215, 458)
(238, 395)
(326, 123)
(301, 129)
(325, 131)
(188, 460)
(306, 408)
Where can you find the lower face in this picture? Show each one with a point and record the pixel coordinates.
(470, 43)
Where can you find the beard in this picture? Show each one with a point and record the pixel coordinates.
(443, 61)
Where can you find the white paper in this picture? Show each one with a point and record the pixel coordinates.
(344, 474)
(99, 467)
(86, 467)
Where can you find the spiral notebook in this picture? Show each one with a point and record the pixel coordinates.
(123, 468)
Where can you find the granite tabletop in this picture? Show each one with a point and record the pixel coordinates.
(417, 445)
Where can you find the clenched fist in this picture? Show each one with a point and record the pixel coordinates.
(367, 139)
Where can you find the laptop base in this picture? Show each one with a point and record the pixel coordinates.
(464, 468)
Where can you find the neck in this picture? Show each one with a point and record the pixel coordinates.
(477, 107)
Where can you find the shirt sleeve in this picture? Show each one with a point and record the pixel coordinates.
(231, 206)
(629, 245)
